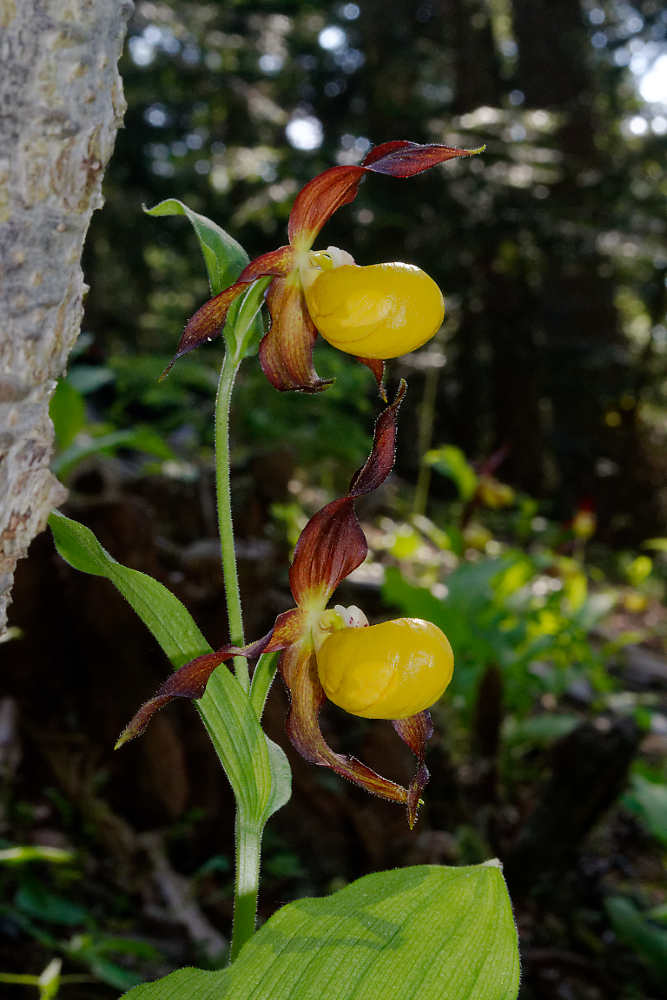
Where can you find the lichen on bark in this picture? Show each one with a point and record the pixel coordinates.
(61, 104)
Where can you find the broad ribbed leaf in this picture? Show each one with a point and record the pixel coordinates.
(258, 773)
(223, 256)
(423, 933)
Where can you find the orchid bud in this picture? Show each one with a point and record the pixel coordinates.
(388, 671)
(380, 311)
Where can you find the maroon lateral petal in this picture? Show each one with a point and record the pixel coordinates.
(376, 365)
(190, 682)
(325, 194)
(333, 544)
(416, 731)
(286, 351)
(209, 319)
(299, 672)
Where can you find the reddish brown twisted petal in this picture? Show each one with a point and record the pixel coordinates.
(405, 159)
(376, 365)
(318, 200)
(325, 194)
(380, 462)
(416, 731)
(298, 668)
(190, 682)
(208, 321)
(287, 628)
(276, 262)
(378, 152)
(330, 547)
(286, 351)
(332, 544)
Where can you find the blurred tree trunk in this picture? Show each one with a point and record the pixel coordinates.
(62, 104)
(588, 365)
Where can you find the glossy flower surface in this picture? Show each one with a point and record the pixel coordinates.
(374, 312)
(330, 547)
(388, 671)
(380, 311)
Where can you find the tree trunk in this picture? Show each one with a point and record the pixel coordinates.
(61, 104)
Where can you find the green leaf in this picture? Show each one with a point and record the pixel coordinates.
(632, 927)
(225, 259)
(244, 327)
(657, 544)
(422, 933)
(648, 800)
(37, 901)
(539, 730)
(99, 954)
(68, 413)
(48, 983)
(450, 461)
(658, 913)
(638, 570)
(223, 256)
(21, 855)
(135, 438)
(89, 378)
(281, 779)
(257, 772)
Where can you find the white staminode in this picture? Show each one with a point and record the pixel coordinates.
(352, 616)
(339, 257)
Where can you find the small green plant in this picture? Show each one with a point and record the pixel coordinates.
(36, 886)
(78, 437)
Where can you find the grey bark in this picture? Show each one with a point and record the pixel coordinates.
(61, 103)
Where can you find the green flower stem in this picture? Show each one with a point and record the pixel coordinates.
(248, 831)
(228, 372)
(248, 853)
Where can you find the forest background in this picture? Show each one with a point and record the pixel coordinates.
(550, 251)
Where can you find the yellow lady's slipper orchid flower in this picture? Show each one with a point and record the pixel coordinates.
(380, 311)
(375, 312)
(388, 671)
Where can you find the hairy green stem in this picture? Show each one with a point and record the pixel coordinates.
(248, 853)
(248, 832)
(228, 372)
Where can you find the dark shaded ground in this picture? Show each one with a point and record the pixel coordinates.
(145, 820)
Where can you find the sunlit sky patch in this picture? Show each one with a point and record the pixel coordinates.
(351, 11)
(332, 37)
(653, 83)
(271, 62)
